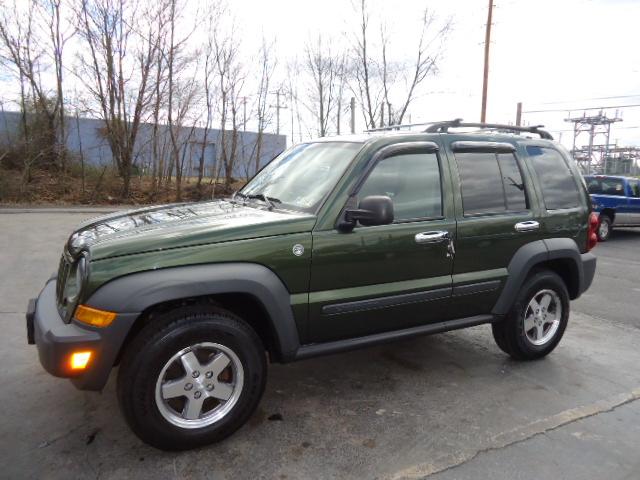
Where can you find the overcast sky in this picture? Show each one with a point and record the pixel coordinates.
(562, 55)
(548, 54)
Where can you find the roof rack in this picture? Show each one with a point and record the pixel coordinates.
(443, 127)
(406, 125)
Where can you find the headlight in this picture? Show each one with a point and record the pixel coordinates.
(76, 280)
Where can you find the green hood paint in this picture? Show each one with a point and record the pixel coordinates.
(183, 225)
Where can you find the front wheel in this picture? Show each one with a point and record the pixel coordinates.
(536, 322)
(191, 377)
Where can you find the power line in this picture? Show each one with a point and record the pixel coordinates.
(588, 99)
(632, 105)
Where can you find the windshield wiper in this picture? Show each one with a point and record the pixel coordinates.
(270, 201)
(238, 194)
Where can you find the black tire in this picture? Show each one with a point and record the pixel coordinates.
(146, 356)
(604, 228)
(510, 334)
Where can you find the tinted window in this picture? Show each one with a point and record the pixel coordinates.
(558, 185)
(512, 180)
(412, 181)
(491, 183)
(635, 188)
(605, 186)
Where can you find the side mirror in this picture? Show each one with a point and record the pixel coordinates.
(372, 210)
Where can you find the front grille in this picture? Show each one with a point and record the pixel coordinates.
(63, 273)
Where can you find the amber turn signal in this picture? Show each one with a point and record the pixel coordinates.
(80, 360)
(93, 316)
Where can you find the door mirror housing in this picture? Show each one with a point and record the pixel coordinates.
(372, 210)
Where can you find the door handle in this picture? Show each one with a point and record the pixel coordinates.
(431, 237)
(528, 226)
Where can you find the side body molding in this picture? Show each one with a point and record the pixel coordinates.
(136, 292)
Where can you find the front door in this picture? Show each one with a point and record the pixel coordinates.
(387, 277)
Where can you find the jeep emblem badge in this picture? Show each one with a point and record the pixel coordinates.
(298, 249)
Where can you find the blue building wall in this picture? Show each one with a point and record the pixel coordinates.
(84, 134)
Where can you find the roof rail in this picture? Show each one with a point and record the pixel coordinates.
(443, 127)
(406, 125)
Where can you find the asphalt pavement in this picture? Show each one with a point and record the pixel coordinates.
(449, 406)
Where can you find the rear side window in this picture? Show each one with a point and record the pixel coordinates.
(635, 188)
(558, 185)
(412, 181)
(491, 183)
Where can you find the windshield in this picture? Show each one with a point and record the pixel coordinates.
(301, 177)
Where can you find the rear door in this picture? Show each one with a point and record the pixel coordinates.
(387, 277)
(495, 215)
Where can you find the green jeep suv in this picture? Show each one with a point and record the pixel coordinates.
(336, 244)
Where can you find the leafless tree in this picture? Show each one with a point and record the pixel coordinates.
(326, 71)
(231, 79)
(210, 85)
(263, 114)
(25, 48)
(377, 81)
(121, 43)
(51, 12)
(181, 91)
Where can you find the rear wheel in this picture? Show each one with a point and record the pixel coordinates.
(604, 228)
(191, 377)
(536, 322)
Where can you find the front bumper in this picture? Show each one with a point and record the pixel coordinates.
(56, 341)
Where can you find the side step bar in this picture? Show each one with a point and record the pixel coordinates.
(317, 349)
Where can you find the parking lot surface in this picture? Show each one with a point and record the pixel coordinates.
(449, 406)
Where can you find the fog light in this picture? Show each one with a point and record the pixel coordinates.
(80, 360)
(93, 316)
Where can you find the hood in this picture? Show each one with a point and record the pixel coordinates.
(182, 225)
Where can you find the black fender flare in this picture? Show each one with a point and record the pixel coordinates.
(537, 252)
(134, 293)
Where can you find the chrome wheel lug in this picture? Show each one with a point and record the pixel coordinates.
(208, 374)
(188, 386)
(195, 374)
(198, 394)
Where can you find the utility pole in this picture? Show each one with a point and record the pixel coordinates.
(485, 81)
(352, 124)
(519, 114)
(278, 107)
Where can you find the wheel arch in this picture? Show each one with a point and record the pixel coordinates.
(560, 255)
(251, 291)
(609, 212)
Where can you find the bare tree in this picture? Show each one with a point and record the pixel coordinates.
(378, 82)
(121, 43)
(209, 82)
(263, 114)
(182, 93)
(24, 50)
(231, 79)
(326, 71)
(51, 12)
